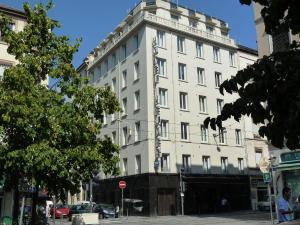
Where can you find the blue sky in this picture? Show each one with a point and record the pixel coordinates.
(92, 20)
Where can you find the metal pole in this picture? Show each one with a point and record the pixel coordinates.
(270, 202)
(22, 210)
(181, 193)
(122, 203)
(91, 194)
(54, 209)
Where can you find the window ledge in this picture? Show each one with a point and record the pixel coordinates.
(203, 113)
(124, 88)
(124, 116)
(124, 60)
(204, 143)
(198, 57)
(184, 81)
(182, 53)
(217, 62)
(162, 76)
(136, 80)
(136, 110)
(135, 51)
(233, 66)
(202, 85)
(184, 110)
(162, 47)
(113, 121)
(165, 139)
(164, 107)
(185, 141)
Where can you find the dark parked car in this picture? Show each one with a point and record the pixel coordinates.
(105, 211)
(78, 209)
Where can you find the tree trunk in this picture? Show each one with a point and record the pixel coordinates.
(16, 205)
(35, 196)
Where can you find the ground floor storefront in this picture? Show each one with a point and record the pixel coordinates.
(160, 193)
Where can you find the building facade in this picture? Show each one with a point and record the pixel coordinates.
(166, 63)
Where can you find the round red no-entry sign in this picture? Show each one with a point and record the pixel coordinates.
(122, 184)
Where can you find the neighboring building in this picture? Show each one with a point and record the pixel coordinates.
(166, 90)
(7, 60)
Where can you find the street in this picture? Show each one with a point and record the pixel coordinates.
(238, 218)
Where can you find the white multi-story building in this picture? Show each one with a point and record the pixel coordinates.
(167, 88)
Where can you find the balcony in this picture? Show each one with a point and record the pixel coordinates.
(150, 5)
(209, 21)
(174, 8)
(193, 15)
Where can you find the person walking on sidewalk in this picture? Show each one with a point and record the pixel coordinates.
(285, 213)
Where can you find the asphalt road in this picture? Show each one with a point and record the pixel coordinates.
(239, 218)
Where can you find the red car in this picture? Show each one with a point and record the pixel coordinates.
(60, 211)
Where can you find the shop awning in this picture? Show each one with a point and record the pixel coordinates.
(288, 166)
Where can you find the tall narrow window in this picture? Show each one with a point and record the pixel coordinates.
(204, 134)
(114, 137)
(124, 51)
(164, 129)
(137, 100)
(161, 39)
(217, 56)
(106, 66)
(180, 44)
(258, 155)
(124, 79)
(125, 136)
(137, 131)
(210, 29)
(136, 41)
(124, 106)
(241, 165)
(231, 58)
(186, 163)
(136, 70)
(161, 63)
(138, 164)
(206, 163)
(183, 100)
(202, 104)
(201, 76)
(238, 137)
(113, 84)
(182, 71)
(125, 167)
(199, 50)
(184, 131)
(222, 136)
(218, 79)
(114, 59)
(224, 164)
(165, 162)
(163, 97)
(220, 104)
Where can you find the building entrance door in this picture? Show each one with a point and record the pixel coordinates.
(166, 202)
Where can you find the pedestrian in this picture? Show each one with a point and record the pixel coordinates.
(297, 208)
(117, 210)
(285, 213)
(224, 204)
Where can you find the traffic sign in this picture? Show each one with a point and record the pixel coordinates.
(267, 178)
(122, 184)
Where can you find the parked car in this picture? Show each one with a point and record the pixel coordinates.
(60, 211)
(133, 206)
(105, 211)
(78, 209)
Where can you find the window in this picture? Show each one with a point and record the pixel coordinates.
(125, 167)
(124, 51)
(136, 70)
(137, 100)
(218, 79)
(112, 117)
(136, 41)
(186, 163)
(124, 79)
(106, 66)
(125, 136)
(206, 163)
(104, 119)
(137, 131)
(124, 106)
(183, 100)
(161, 63)
(164, 129)
(241, 165)
(180, 44)
(220, 104)
(238, 137)
(224, 164)
(163, 97)
(114, 59)
(231, 58)
(201, 76)
(113, 85)
(222, 136)
(161, 39)
(204, 134)
(165, 162)
(184, 131)
(193, 23)
(114, 137)
(138, 164)
(210, 29)
(202, 104)
(217, 57)
(199, 50)
(3, 67)
(182, 71)
(258, 155)
(174, 17)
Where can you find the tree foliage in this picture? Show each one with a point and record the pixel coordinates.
(269, 90)
(48, 137)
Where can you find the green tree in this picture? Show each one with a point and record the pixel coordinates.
(50, 138)
(269, 90)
